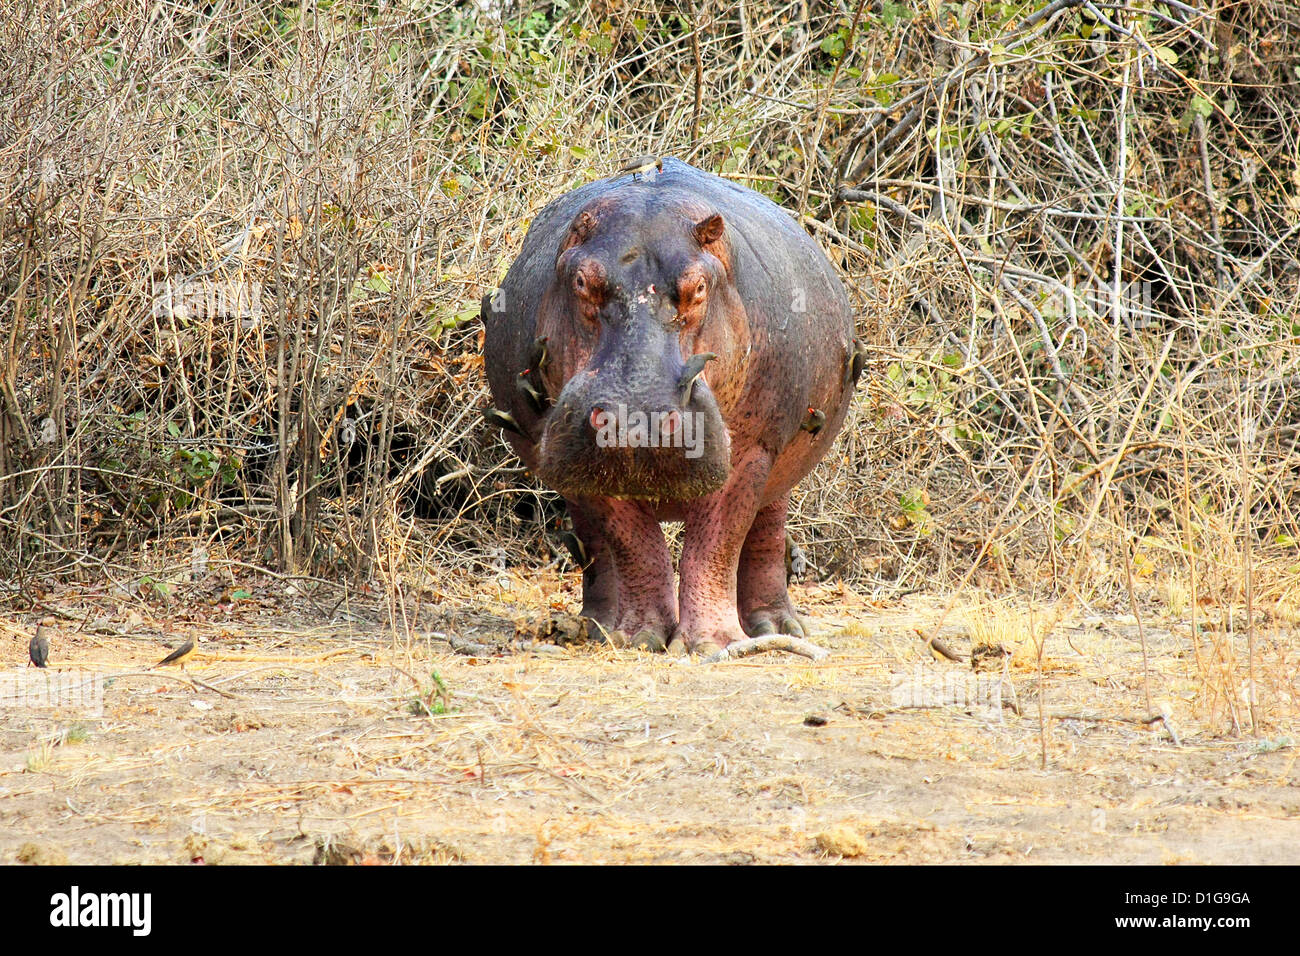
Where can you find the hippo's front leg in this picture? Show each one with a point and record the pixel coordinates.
(714, 531)
(599, 574)
(647, 607)
(765, 606)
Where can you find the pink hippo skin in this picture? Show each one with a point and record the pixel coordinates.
(702, 306)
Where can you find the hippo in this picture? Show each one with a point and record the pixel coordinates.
(670, 346)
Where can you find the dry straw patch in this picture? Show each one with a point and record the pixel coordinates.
(591, 755)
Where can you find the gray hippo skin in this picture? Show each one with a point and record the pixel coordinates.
(703, 307)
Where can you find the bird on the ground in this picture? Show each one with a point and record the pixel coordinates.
(985, 657)
(178, 656)
(39, 649)
(937, 648)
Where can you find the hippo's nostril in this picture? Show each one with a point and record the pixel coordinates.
(669, 423)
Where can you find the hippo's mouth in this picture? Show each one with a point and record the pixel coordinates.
(618, 452)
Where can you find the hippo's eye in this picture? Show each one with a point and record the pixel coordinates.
(587, 287)
(692, 292)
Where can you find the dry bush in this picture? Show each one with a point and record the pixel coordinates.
(1069, 228)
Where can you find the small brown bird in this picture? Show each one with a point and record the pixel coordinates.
(814, 422)
(641, 166)
(178, 656)
(857, 360)
(502, 420)
(937, 648)
(39, 649)
(577, 550)
(796, 560)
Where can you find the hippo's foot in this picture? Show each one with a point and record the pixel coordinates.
(638, 577)
(648, 630)
(649, 638)
(603, 612)
(777, 618)
(704, 638)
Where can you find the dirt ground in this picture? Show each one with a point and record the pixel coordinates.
(336, 744)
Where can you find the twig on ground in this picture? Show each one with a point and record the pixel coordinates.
(770, 642)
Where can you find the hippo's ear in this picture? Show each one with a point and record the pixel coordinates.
(582, 227)
(709, 230)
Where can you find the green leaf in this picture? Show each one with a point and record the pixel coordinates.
(833, 46)
(1168, 55)
(912, 500)
(891, 13)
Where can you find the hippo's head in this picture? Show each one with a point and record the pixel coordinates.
(646, 339)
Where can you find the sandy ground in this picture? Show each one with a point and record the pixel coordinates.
(323, 752)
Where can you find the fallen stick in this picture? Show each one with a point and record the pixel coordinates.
(215, 690)
(187, 678)
(770, 642)
(208, 655)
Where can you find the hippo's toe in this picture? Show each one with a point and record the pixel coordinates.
(704, 640)
(775, 620)
(647, 638)
(650, 639)
(704, 649)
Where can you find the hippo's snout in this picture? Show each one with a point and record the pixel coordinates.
(658, 440)
(621, 427)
